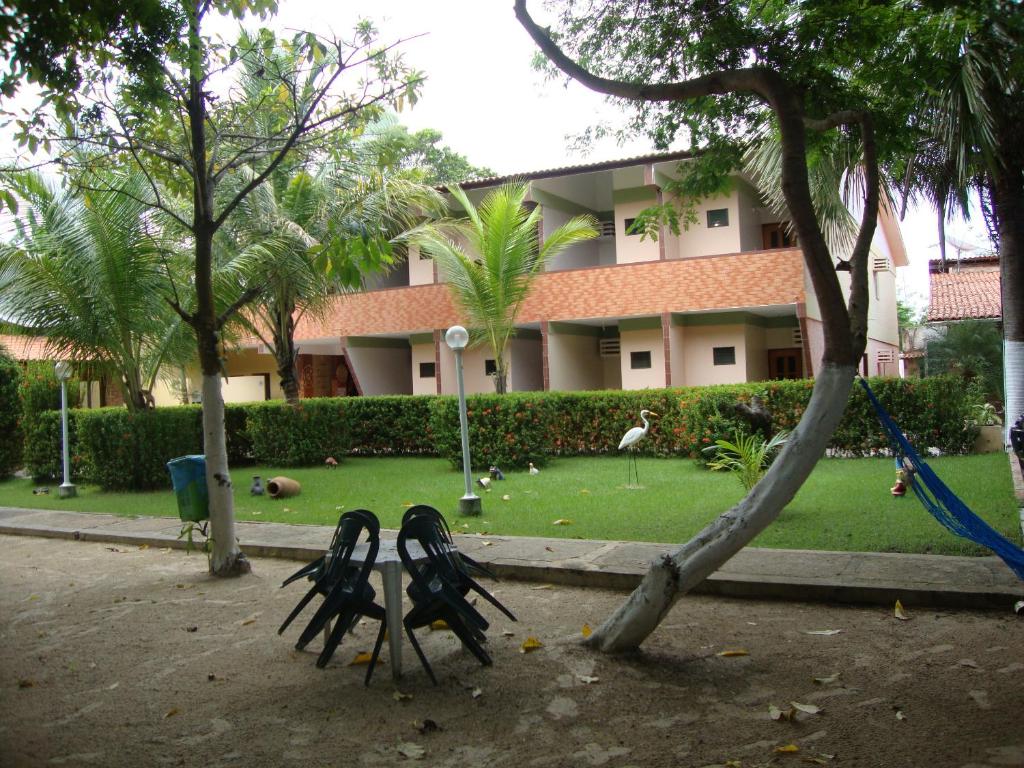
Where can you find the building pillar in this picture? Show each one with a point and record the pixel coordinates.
(545, 369)
(666, 338)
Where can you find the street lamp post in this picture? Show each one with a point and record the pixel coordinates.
(456, 338)
(62, 370)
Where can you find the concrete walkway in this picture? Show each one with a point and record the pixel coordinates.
(848, 577)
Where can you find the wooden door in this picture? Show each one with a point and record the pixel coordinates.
(785, 363)
(777, 236)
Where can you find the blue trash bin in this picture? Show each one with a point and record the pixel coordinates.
(188, 477)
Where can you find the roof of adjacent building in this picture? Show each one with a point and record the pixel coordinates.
(567, 170)
(976, 260)
(965, 295)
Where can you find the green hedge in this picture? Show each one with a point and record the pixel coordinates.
(509, 431)
(118, 449)
(10, 415)
(129, 450)
(294, 437)
(397, 425)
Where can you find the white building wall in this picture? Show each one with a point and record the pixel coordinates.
(633, 248)
(755, 353)
(647, 340)
(421, 270)
(699, 240)
(527, 365)
(699, 366)
(748, 217)
(473, 365)
(382, 370)
(423, 353)
(574, 363)
(677, 353)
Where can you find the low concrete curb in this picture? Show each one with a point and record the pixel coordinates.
(837, 577)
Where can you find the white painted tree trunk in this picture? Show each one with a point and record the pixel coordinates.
(226, 559)
(672, 576)
(1013, 384)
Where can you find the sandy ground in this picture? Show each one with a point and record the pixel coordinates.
(120, 656)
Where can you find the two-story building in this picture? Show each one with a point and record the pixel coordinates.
(726, 300)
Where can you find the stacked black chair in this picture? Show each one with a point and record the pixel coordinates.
(345, 586)
(439, 586)
(467, 566)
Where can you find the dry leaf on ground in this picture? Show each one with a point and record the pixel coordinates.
(586, 631)
(787, 749)
(562, 521)
(809, 709)
(899, 613)
(733, 652)
(530, 644)
(826, 680)
(399, 696)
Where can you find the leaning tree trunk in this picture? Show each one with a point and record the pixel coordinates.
(844, 328)
(676, 574)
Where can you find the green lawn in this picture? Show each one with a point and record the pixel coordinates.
(845, 505)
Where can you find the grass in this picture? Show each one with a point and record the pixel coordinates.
(845, 504)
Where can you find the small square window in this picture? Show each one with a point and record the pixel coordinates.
(490, 367)
(428, 370)
(640, 359)
(628, 224)
(724, 355)
(719, 217)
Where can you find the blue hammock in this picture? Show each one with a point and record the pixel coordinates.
(941, 501)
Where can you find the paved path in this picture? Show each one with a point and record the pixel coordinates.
(850, 577)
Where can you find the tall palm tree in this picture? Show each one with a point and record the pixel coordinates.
(971, 121)
(86, 269)
(308, 235)
(491, 258)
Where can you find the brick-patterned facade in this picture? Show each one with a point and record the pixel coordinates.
(753, 279)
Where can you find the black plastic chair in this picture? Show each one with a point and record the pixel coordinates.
(438, 588)
(467, 565)
(345, 587)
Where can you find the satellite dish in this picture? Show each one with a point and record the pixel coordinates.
(961, 246)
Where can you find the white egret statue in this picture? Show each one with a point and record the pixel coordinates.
(631, 438)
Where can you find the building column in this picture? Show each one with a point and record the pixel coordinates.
(545, 370)
(438, 336)
(666, 338)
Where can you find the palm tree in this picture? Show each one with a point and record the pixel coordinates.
(491, 273)
(309, 235)
(971, 120)
(86, 269)
(972, 349)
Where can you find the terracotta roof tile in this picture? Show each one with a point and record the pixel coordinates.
(964, 295)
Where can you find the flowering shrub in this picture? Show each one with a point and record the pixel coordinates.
(508, 431)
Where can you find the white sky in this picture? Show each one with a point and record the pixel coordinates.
(492, 107)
